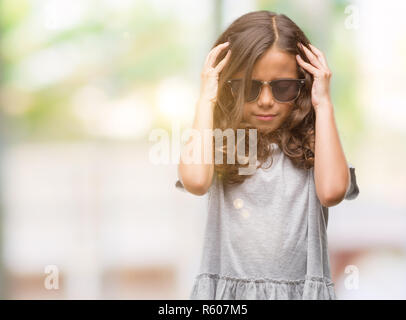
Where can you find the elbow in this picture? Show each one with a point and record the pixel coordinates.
(195, 180)
(331, 199)
(198, 187)
(333, 195)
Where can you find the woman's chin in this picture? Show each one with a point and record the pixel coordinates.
(264, 128)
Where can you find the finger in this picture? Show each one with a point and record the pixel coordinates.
(307, 66)
(320, 55)
(209, 54)
(214, 53)
(212, 50)
(221, 64)
(311, 56)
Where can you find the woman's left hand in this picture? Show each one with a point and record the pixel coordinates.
(321, 74)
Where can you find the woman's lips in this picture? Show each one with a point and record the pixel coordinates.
(265, 117)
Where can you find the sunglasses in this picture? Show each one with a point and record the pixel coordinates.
(283, 90)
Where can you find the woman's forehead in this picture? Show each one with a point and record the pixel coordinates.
(273, 64)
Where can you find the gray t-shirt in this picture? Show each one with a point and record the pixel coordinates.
(266, 238)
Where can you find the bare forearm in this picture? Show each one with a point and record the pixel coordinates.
(330, 168)
(198, 176)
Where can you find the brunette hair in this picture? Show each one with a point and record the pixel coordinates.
(250, 36)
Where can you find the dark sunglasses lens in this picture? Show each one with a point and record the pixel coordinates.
(236, 86)
(285, 90)
(255, 88)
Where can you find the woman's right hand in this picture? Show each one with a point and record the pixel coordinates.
(197, 177)
(210, 73)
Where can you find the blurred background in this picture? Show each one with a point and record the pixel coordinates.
(85, 214)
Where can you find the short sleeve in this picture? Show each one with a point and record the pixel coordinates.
(353, 189)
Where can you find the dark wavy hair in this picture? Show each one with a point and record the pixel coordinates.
(250, 36)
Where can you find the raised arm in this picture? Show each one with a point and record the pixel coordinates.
(197, 177)
(331, 171)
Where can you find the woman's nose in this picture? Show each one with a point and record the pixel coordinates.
(265, 96)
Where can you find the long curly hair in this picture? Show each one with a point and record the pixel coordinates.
(250, 36)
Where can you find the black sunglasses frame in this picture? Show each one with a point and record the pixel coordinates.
(301, 84)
